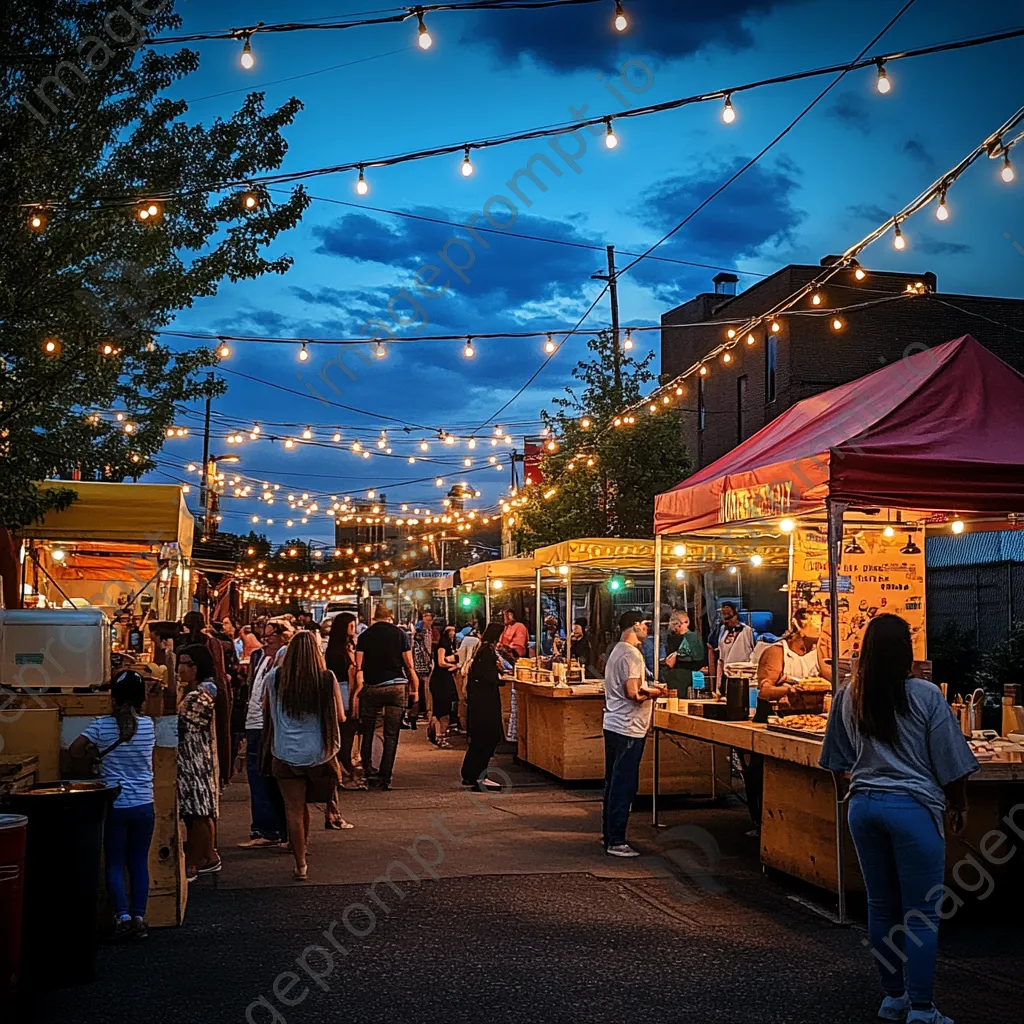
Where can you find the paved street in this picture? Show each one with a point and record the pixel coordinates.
(526, 920)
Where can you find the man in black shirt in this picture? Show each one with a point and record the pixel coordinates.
(385, 683)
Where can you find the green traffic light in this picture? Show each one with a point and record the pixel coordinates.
(616, 583)
(467, 601)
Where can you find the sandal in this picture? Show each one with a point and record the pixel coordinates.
(301, 874)
(443, 744)
(337, 823)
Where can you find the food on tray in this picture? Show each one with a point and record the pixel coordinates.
(814, 684)
(805, 723)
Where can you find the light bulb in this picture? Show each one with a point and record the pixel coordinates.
(728, 111)
(703, 371)
(776, 327)
(611, 140)
(337, 437)
(303, 353)
(423, 39)
(362, 187)
(898, 241)
(467, 164)
(751, 340)
(756, 560)
(726, 357)
(37, 221)
(549, 345)
(837, 324)
(787, 525)
(816, 299)
(424, 446)
(224, 351)
(289, 443)
(1007, 173)
(248, 60)
(627, 345)
(860, 273)
(585, 423)
(882, 83)
(307, 434)
(889, 533)
(942, 211)
(469, 351)
(957, 526)
(621, 21)
(250, 201)
(380, 352)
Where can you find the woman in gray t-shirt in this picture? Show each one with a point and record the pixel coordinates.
(907, 759)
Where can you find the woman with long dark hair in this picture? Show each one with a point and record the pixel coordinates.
(340, 657)
(908, 762)
(444, 694)
(306, 711)
(197, 787)
(483, 710)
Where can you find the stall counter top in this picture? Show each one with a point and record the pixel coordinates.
(754, 738)
(591, 689)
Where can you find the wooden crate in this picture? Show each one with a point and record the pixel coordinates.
(17, 773)
(31, 731)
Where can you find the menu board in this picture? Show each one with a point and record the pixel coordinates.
(877, 574)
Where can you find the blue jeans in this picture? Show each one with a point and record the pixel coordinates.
(903, 860)
(622, 756)
(126, 838)
(266, 805)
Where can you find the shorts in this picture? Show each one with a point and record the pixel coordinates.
(321, 779)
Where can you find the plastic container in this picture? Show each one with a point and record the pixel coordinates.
(12, 890)
(62, 880)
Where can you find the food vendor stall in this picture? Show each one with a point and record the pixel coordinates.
(560, 705)
(122, 548)
(850, 483)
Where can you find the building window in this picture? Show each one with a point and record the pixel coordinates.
(771, 356)
(741, 401)
(700, 403)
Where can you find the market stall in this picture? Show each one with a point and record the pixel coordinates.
(850, 483)
(122, 548)
(560, 697)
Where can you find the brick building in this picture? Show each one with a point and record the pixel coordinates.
(807, 356)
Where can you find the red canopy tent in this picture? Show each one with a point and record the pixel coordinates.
(943, 430)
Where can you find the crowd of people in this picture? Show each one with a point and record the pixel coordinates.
(306, 711)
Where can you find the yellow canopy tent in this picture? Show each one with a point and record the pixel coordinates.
(147, 514)
(509, 570)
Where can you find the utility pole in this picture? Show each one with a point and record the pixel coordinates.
(613, 296)
(203, 496)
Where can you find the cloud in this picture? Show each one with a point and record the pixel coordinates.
(936, 247)
(571, 38)
(852, 108)
(916, 150)
(869, 211)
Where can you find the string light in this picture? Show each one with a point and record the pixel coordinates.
(52, 346)
(751, 340)
(423, 38)
(585, 423)
(898, 241)
(469, 351)
(611, 140)
(703, 371)
(303, 353)
(728, 111)
(816, 299)
(731, 333)
(882, 83)
(380, 352)
(860, 273)
(250, 200)
(224, 350)
(957, 526)
(307, 434)
(37, 221)
(942, 211)
(621, 21)
(424, 446)
(549, 345)
(467, 164)
(362, 186)
(776, 327)
(1007, 173)
(627, 345)
(837, 324)
(727, 357)
(248, 58)
(889, 533)
(289, 444)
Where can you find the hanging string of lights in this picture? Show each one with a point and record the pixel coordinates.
(150, 208)
(424, 39)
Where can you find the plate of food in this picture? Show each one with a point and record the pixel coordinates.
(812, 726)
(814, 684)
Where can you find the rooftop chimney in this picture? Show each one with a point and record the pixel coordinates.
(725, 284)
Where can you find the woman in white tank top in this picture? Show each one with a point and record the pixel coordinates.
(796, 656)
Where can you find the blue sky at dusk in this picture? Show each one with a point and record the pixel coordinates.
(852, 162)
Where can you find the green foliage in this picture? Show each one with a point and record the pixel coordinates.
(953, 651)
(1004, 663)
(614, 497)
(97, 274)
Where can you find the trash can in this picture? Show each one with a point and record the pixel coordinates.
(62, 880)
(12, 887)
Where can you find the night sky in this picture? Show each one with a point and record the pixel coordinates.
(370, 92)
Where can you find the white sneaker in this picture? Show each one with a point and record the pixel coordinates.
(894, 1008)
(931, 1016)
(622, 850)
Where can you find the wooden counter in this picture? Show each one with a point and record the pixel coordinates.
(798, 824)
(560, 731)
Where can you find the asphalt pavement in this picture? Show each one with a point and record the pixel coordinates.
(445, 906)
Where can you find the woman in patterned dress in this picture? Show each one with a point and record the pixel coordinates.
(197, 787)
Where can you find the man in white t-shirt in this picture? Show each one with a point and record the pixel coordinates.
(732, 641)
(628, 709)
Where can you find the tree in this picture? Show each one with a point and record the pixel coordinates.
(602, 479)
(84, 124)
